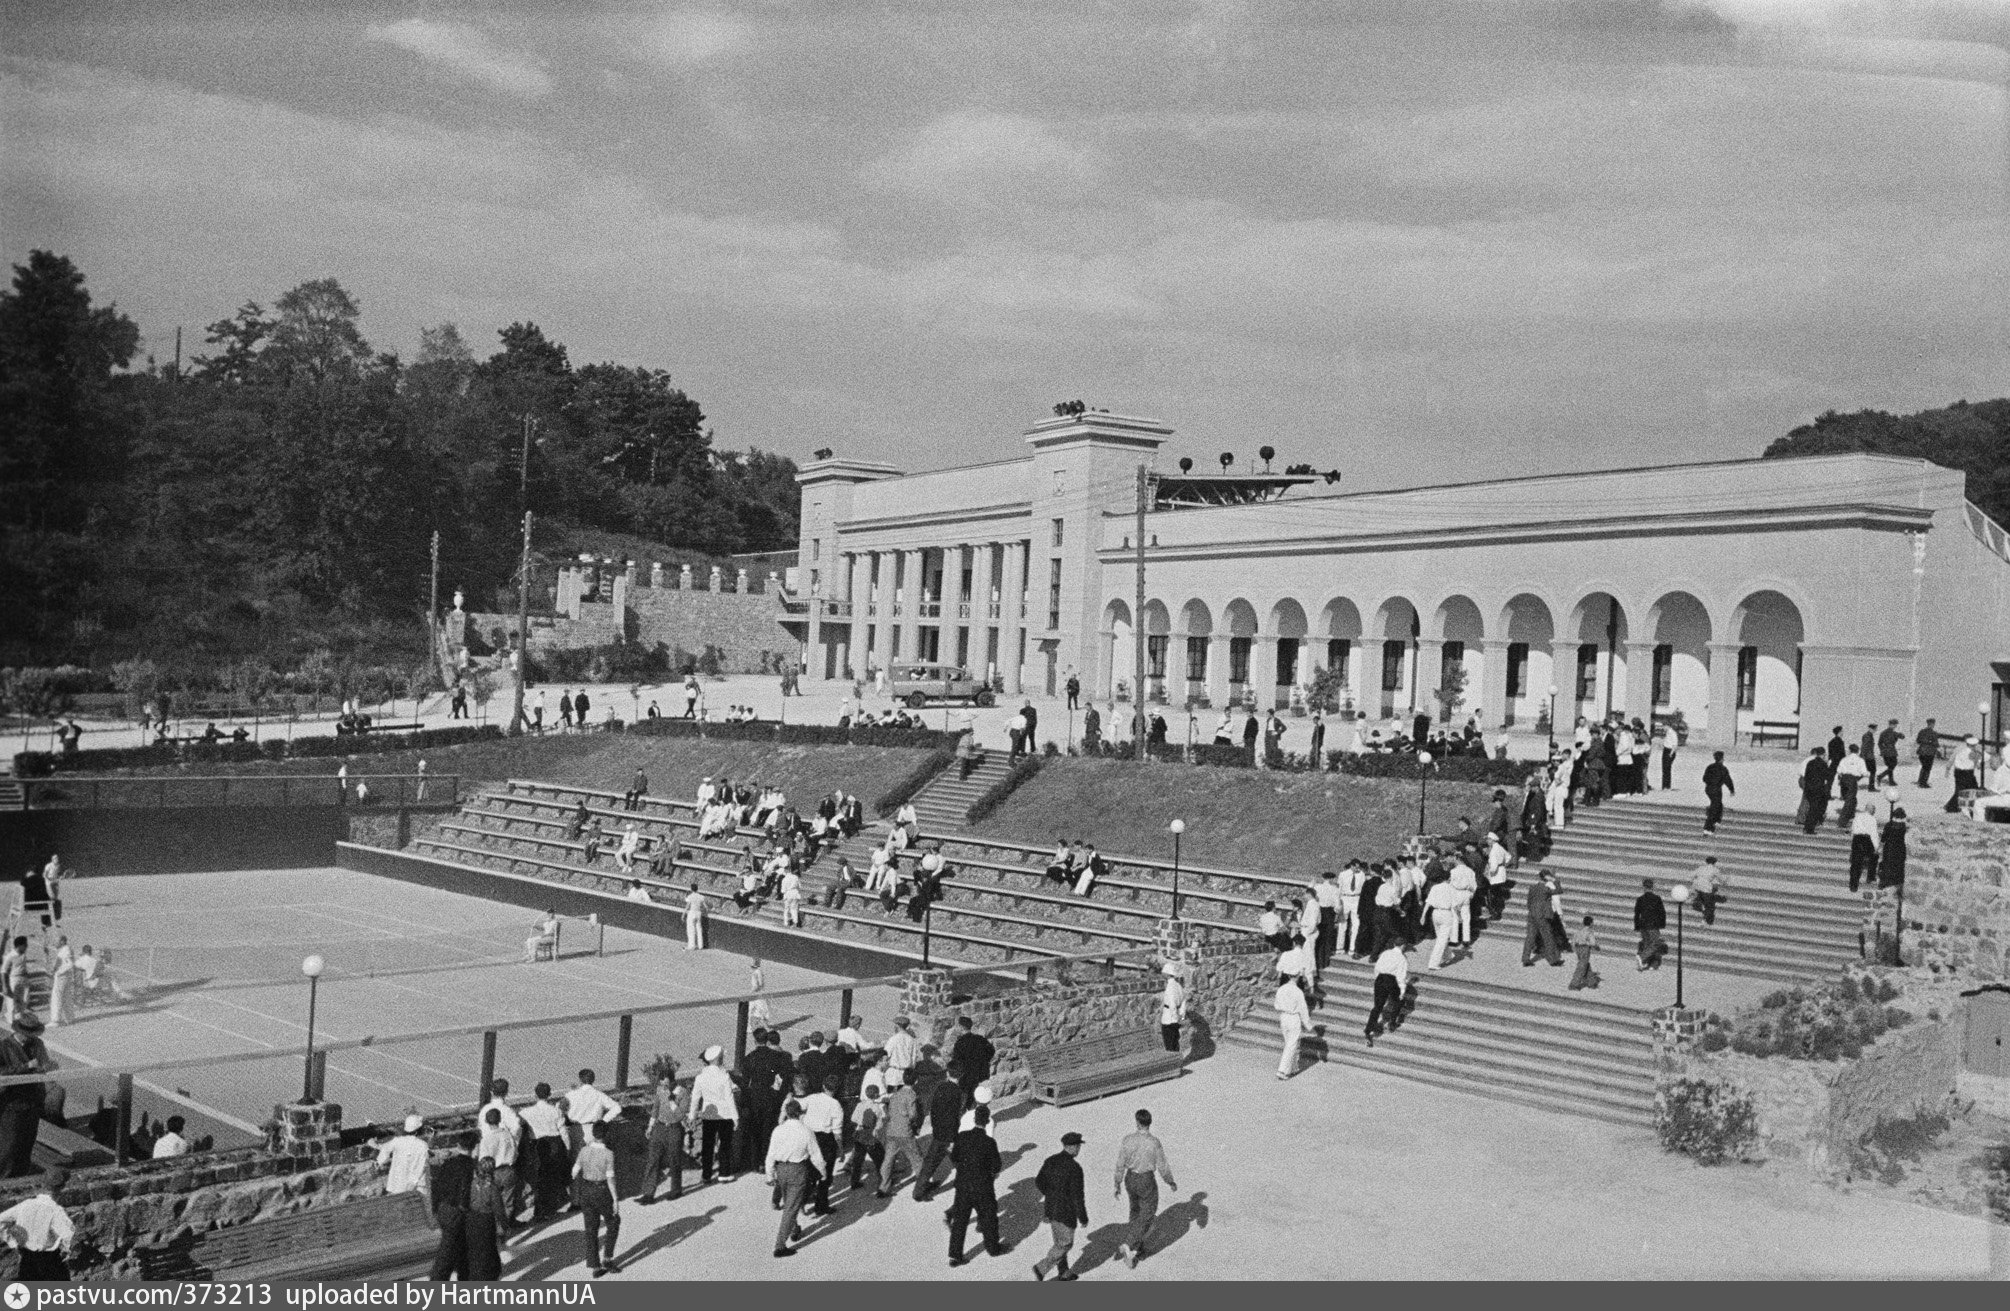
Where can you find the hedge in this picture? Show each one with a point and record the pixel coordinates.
(917, 778)
(994, 796)
(41, 764)
(1460, 769)
(822, 735)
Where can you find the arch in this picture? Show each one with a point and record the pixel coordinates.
(1528, 626)
(1396, 619)
(1340, 617)
(1240, 618)
(1116, 612)
(1287, 619)
(1157, 620)
(1195, 653)
(1768, 627)
(1678, 625)
(1458, 620)
(1195, 618)
(1596, 680)
(1116, 646)
(1527, 618)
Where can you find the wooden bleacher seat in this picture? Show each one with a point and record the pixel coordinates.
(380, 1237)
(1095, 1067)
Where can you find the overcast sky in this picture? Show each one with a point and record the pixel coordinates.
(1422, 240)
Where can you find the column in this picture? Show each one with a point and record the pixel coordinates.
(1563, 676)
(1217, 670)
(1494, 683)
(1427, 669)
(813, 631)
(1721, 727)
(853, 657)
(1263, 671)
(980, 608)
(1175, 669)
(1012, 621)
(1106, 682)
(1639, 702)
(910, 604)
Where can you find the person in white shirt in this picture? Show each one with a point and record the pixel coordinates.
(407, 1156)
(636, 892)
(1852, 774)
(715, 1106)
(586, 1104)
(1350, 881)
(171, 1143)
(694, 921)
(1465, 886)
(42, 1230)
(1442, 901)
(849, 1036)
(631, 842)
(1271, 925)
(877, 1075)
(823, 1116)
(1327, 893)
(1295, 963)
(1308, 929)
(902, 1051)
(793, 1156)
(706, 792)
(792, 899)
(1294, 1020)
(1392, 976)
(1864, 841)
(542, 944)
(1172, 1007)
(62, 980)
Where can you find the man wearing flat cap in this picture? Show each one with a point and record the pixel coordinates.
(22, 1052)
(1067, 1206)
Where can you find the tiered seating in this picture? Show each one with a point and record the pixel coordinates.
(1559, 1052)
(1789, 913)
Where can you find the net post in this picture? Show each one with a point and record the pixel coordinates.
(623, 1047)
(488, 1065)
(844, 1009)
(599, 934)
(740, 1034)
(124, 1139)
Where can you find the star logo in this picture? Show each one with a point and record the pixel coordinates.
(17, 1296)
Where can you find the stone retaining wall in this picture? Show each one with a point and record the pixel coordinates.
(1957, 899)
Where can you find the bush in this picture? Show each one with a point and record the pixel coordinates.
(1891, 1144)
(1459, 769)
(41, 764)
(1834, 1021)
(1710, 1120)
(917, 778)
(994, 796)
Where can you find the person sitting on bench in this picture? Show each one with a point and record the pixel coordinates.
(577, 824)
(593, 837)
(631, 843)
(542, 944)
(1092, 869)
(1057, 868)
(638, 788)
(663, 861)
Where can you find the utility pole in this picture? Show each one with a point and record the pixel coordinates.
(177, 353)
(516, 725)
(1138, 615)
(523, 466)
(1611, 654)
(433, 611)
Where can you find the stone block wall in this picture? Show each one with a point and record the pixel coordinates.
(1957, 898)
(745, 626)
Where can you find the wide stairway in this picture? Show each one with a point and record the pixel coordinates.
(1557, 1052)
(941, 806)
(1788, 913)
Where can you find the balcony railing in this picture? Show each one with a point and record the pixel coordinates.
(931, 610)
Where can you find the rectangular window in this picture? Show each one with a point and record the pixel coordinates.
(813, 582)
(1664, 674)
(1155, 654)
(1339, 656)
(1053, 595)
(1287, 661)
(816, 548)
(1196, 660)
(963, 647)
(1238, 659)
(1393, 654)
(1748, 677)
(1517, 670)
(1454, 656)
(1057, 532)
(1587, 672)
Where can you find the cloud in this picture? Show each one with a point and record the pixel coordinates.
(465, 53)
(968, 152)
(685, 38)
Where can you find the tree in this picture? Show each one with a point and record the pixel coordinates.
(241, 336)
(314, 337)
(1972, 438)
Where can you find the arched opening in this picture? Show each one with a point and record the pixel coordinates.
(1461, 658)
(1530, 630)
(1679, 626)
(1595, 684)
(1340, 622)
(1240, 619)
(1158, 643)
(1290, 666)
(1116, 641)
(1397, 629)
(1768, 630)
(1197, 626)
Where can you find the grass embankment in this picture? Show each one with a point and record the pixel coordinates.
(1235, 818)
(607, 760)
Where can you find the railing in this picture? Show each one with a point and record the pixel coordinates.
(994, 610)
(931, 610)
(171, 791)
(963, 609)
(795, 607)
(838, 609)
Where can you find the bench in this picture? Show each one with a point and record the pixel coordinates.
(1095, 1067)
(1770, 730)
(381, 1237)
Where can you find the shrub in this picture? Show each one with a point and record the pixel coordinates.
(1830, 1022)
(1401, 764)
(994, 796)
(1890, 1145)
(917, 778)
(1710, 1120)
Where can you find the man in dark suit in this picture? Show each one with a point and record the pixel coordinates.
(977, 1168)
(1716, 782)
(814, 1061)
(1650, 916)
(1539, 938)
(451, 1180)
(1032, 727)
(767, 1073)
(974, 1052)
(1067, 1206)
(1815, 780)
(945, 1113)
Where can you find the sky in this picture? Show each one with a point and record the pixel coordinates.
(1417, 240)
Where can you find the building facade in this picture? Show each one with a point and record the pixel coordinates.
(1758, 597)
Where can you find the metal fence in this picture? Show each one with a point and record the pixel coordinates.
(368, 791)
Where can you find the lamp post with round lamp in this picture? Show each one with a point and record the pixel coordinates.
(1423, 787)
(312, 968)
(1679, 894)
(1177, 827)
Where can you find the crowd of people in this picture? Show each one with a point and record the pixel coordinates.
(899, 1115)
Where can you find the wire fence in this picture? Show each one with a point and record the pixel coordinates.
(387, 791)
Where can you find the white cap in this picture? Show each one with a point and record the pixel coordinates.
(983, 1094)
(414, 1123)
(714, 1052)
(1172, 969)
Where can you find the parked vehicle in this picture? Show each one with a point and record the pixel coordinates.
(919, 683)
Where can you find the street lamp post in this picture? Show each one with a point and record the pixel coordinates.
(311, 967)
(927, 915)
(1552, 719)
(1423, 787)
(1679, 894)
(1178, 827)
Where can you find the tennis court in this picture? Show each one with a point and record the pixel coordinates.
(212, 963)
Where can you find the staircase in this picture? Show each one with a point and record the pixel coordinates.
(1557, 1052)
(1788, 914)
(942, 804)
(12, 795)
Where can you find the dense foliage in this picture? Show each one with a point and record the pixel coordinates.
(1707, 1119)
(1972, 438)
(1831, 1021)
(277, 496)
